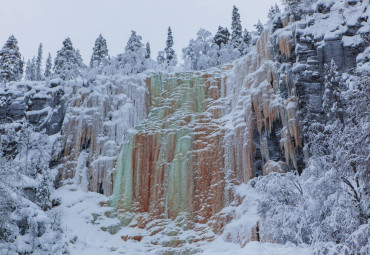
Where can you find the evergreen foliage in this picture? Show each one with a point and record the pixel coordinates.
(171, 58)
(273, 11)
(161, 57)
(28, 74)
(147, 51)
(332, 102)
(133, 59)
(38, 64)
(259, 27)
(247, 38)
(236, 31)
(68, 61)
(100, 51)
(11, 64)
(222, 36)
(43, 191)
(31, 70)
(48, 67)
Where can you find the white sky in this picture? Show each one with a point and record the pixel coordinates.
(51, 21)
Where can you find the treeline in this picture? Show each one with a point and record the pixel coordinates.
(203, 52)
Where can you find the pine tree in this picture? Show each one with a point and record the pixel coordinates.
(236, 31)
(161, 57)
(100, 51)
(277, 9)
(11, 64)
(259, 27)
(171, 58)
(28, 73)
(292, 5)
(222, 36)
(33, 69)
(332, 103)
(38, 64)
(273, 11)
(43, 191)
(147, 51)
(247, 37)
(68, 61)
(132, 60)
(48, 67)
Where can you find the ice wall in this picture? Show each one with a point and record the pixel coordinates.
(205, 133)
(173, 161)
(95, 126)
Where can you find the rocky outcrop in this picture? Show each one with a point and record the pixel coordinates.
(40, 104)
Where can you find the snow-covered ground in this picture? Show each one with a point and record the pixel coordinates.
(83, 217)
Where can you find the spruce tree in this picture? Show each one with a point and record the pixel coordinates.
(38, 64)
(43, 190)
(48, 67)
(171, 58)
(236, 31)
(273, 11)
(222, 36)
(132, 60)
(332, 103)
(247, 37)
(277, 9)
(11, 64)
(147, 51)
(31, 69)
(28, 73)
(68, 61)
(100, 51)
(259, 27)
(161, 57)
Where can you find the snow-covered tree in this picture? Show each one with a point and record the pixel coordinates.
(29, 71)
(48, 67)
(161, 57)
(236, 31)
(290, 4)
(332, 102)
(11, 64)
(171, 58)
(259, 27)
(68, 61)
(147, 51)
(273, 11)
(202, 52)
(247, 38)
(38, 64)
(100, 51)
(133, 59)
(222, 36)
(43, 190)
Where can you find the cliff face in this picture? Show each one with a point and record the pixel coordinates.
(94, 128)
(178, 146)
(206, 133)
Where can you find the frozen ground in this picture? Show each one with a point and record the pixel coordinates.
(87, 238)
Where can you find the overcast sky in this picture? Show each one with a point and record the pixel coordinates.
(51, 21)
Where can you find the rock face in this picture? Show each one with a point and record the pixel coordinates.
(94, 128)
(174, 146)
(38, 104)
(205, 133)
(209, 131)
